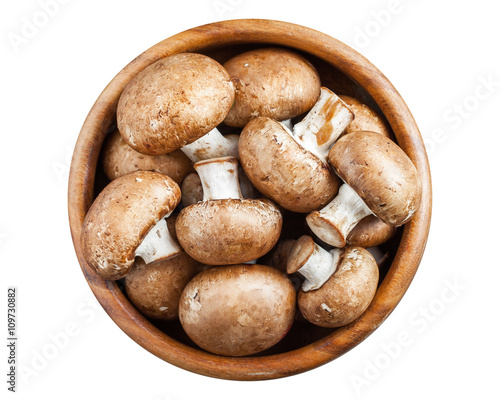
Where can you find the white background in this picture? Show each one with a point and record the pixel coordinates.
(438, 342)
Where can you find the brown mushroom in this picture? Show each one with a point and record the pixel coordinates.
(313, 262)
(225, 228)
(173, 102)
(379, 178)
(120, 159)
(127, 220)
(237, 310)
(271, 82)
(370, 231)
(365, 118)
(282, 170)
(155, 289)
(290, 167)
(339, 285)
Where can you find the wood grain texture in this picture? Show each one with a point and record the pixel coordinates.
(352, 65)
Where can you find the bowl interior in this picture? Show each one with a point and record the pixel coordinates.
(306, 346)
(302, 332)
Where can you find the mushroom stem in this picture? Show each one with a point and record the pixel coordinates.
(212, 145)
(323, 124)
(158, 244)
(333, 222)
(320, 266)
(219, 178)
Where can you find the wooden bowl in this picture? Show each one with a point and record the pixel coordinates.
(344, 71)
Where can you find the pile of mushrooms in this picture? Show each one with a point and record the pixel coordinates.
(240, 236)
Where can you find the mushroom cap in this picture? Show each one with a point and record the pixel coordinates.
(365, 118)
(228, 231)
(120, 159)
(380, 172)
(155, 289)
(281, 169)
(371, 231)
(173, 102)
(237, 310)
(346, 295)
(120, 218)
(271, 82)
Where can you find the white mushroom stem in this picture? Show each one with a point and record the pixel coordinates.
(319, 267)
(323, 125)
(333, 223)
(212, 145)
(158, 244)
(219, 178)
(192, 189)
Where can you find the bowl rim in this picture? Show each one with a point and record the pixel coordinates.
(391, 289)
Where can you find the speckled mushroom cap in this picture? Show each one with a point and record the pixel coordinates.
(380, 172)
(365, 118)
(281, 169)
(120, 218)
(173, 102)
(237, 310)
(228, 231)
(155, 289)
(346, 295)
(271, 82)
(120, 159)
